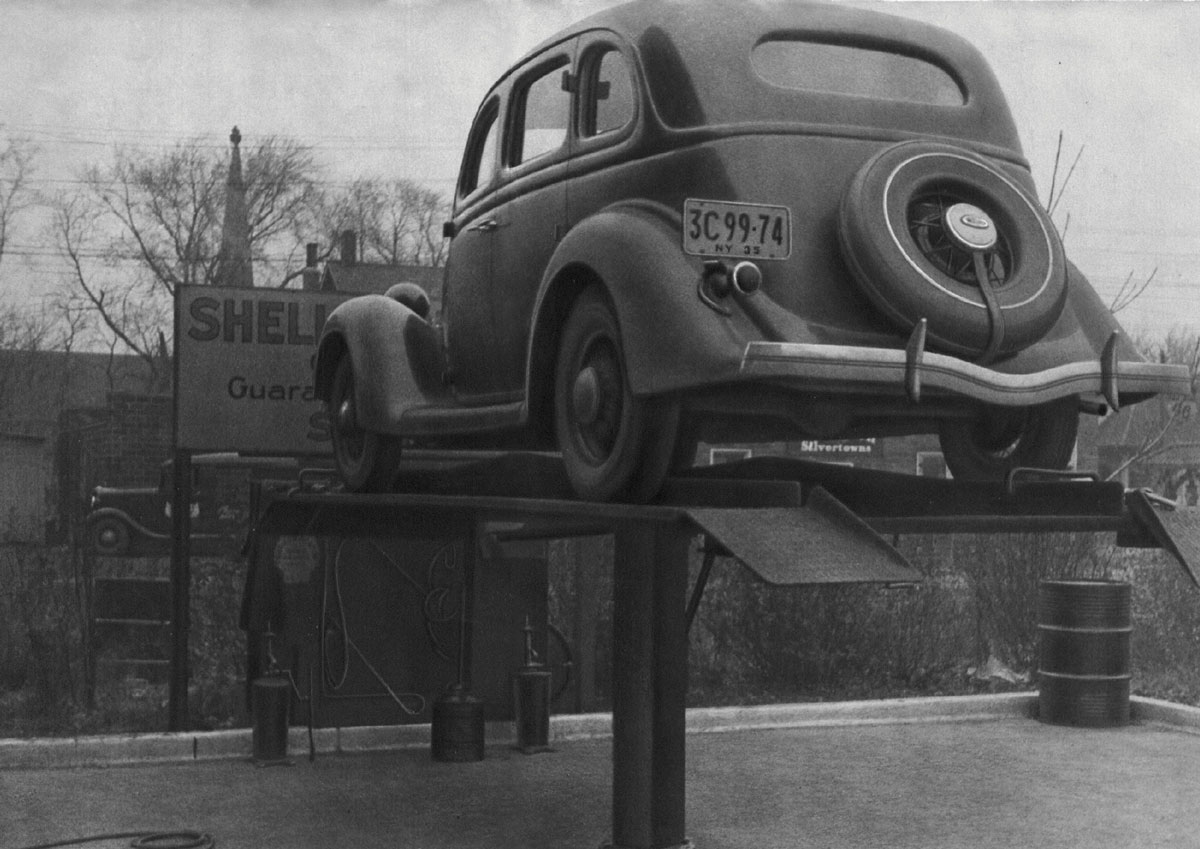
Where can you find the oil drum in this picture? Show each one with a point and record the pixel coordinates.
(1084, 629)
(457, 729)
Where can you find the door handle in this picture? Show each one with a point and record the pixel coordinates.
(487, 225)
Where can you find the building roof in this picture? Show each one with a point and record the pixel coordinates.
(367, 278)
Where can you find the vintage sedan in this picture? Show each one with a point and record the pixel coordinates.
(136, 521)
(678, 221)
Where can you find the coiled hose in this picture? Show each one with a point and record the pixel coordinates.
(142, 840)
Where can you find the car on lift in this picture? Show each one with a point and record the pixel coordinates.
(678, 221)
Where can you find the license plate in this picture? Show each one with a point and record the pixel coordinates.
(736, 230)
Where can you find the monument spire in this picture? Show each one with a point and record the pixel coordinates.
(233, 260)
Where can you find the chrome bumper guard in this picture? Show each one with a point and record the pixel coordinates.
(915, 369)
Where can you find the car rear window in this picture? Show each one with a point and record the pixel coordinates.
(543, 113)
(855, 70)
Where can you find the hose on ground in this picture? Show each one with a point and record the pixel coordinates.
(141, 840)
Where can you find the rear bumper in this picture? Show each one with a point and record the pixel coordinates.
(915, 371)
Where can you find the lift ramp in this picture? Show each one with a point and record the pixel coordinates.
(820, 543)
(1030, 501)
(790, 521)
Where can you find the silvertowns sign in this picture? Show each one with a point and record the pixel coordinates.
(243, 369)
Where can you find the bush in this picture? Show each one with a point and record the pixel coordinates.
(42, 662)
(750, 642)
(49, 683)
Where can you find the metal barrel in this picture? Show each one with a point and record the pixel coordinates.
(1084, 629)
(531, 708)
(457, 729)
(270, 697)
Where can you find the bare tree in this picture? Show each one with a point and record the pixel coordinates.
(132, 304)
(1130, 291)
(16, 166)
(1054, 198)
(1168, 432)
(150, 222)
(25, 332)
(398, 222)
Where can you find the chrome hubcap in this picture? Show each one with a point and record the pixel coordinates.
(585, 396)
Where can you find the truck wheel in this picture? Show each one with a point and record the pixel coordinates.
(1001, 439)
(367, 461)
(109, 537)
(615, 446)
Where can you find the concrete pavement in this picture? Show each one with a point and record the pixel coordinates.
(924, 773)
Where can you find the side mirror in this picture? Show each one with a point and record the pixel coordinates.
(447, 229)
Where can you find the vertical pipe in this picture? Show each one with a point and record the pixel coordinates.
(467, 615)
(649, 684)
(181, 580)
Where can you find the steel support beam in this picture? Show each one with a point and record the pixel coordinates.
(649, 684)
(181, 582)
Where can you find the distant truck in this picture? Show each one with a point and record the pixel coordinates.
(136, 521)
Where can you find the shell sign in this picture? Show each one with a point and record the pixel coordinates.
(243, 369)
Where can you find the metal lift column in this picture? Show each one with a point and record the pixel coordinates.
(650, 572)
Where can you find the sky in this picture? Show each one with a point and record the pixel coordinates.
(388, 89)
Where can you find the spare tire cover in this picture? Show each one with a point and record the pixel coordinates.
(921, 222)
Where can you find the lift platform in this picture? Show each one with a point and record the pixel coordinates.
(791, 522)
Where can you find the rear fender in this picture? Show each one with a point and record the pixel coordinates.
(396, 356)
(671, 339)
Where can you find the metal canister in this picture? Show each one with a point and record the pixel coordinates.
(270, 697)
(531, 708)
(457, 730)
(1084, 629)
(531, 700)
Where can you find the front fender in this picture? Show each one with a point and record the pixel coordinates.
(672, 340)
(137, 528)
(395, 354)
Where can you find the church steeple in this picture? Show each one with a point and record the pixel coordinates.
(233, 260)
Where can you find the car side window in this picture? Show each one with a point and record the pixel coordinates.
(607, 93)
(542, 113)
(480, 165)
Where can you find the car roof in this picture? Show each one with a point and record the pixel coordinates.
(694, 48)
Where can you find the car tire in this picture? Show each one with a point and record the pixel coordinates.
(110, 537)
(1001, 439)
(914, 226)
(615, 446)
(367, 461)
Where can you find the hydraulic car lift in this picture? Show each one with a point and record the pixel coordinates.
(791, 522)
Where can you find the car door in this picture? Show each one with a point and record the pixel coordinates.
(467, 321)
(532, 218)
(606, 112)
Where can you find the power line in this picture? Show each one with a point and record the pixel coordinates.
(323, 143)
(340, 184)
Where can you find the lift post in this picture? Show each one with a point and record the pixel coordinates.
(650, 567)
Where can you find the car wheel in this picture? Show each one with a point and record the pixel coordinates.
(615, 446)
(1001, 439)
(366, 461)
(933, 231)
(110, 537)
